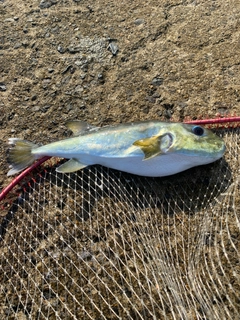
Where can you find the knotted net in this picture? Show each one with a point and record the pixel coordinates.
(102, 244)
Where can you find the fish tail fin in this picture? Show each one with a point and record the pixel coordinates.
(20, 155)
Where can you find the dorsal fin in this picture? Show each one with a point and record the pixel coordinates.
(78, 127)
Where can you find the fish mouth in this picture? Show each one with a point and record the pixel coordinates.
(221, 152)
(218, 152)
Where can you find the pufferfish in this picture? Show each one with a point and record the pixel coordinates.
(147, 148)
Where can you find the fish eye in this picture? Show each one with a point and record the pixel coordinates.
(198, 131)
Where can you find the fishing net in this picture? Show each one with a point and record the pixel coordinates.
(102, 244)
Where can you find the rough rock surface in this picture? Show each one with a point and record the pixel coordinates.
(109, 62)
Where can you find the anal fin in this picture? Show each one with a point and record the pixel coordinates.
(71, 165)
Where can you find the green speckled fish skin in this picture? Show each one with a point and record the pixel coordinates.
(150, 148)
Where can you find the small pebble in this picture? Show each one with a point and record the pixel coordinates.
(45, 108)
(78, 89)
(100, 78)
(3, 87)
(78, 62)
(151, 99)
(47, 3)
(35, 108)
(25, 43)
(74, 48)
(9, 20)
(137, 22)
(113, 48)
(67, 69)
(17, 45)
(60, 49)
(182, 104)
(157, 81)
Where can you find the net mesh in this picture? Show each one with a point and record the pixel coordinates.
(102, 244)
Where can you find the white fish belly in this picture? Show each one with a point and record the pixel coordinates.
(159, 166)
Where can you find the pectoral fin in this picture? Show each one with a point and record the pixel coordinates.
(78, 127)
(155, 145)
(71, 166)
